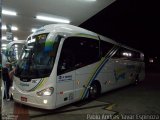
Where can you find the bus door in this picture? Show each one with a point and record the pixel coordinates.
(65, 75)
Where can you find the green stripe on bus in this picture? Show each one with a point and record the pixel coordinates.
(98, 68)
(40, 84)
(87, 36)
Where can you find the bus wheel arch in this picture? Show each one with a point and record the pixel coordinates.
(137, 80)
(95, 89)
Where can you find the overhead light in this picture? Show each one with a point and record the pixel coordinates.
(4, 27)
(4, 45)
(15, 38)
(14, 28)
(33, 30)
(4, 48)
(6, 12)
(5, 38)
(16, 49)
(52, 19)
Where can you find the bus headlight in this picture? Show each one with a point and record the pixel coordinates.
(12, 87)
(46, 92)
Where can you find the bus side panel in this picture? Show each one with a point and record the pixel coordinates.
(65, 88)
(120, 72)
(106, 76)
(142, 71)
(83, 77)
(132, 68)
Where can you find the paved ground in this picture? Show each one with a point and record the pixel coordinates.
(141, 99)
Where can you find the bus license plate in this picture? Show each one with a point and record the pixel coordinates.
(24, 99)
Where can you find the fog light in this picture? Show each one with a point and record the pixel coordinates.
(45, 101)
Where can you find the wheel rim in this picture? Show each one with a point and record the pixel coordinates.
(93, 91)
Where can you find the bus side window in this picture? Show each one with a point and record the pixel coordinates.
(105, 47)
(67, 58)
(127, 54)
(86, 51)
(117, 55)
(122, 53)
(78, 52)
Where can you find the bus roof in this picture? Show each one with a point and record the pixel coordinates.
(72, 30)
(63, 28)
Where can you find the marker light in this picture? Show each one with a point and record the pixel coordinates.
(52, 19)
(127, 54)
(151, 60)
(45, 101)
(46, 92)
(6, 12)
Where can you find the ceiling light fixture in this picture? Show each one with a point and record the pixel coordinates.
(5, 38)
(33, 30)
(15, 38)
(4, 27)
(52, 19)
(6, 12)
(4, 45)
(12, 28)
(4, 48)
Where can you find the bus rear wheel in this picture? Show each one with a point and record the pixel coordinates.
(137, 80)
(93, 91)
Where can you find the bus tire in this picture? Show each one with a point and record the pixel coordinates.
(137, 80)
(94, 90)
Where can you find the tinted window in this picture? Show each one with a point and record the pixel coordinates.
(105, 47)
(127, 54)
(38, 57)
(78, 52)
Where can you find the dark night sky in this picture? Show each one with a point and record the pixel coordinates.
(133, 22)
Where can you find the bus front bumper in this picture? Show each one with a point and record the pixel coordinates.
(34, 101)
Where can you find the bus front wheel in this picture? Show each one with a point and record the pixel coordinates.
(94, 91)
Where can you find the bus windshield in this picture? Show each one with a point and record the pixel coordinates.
(38, 56)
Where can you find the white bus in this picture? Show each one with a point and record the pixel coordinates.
(61, 64)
